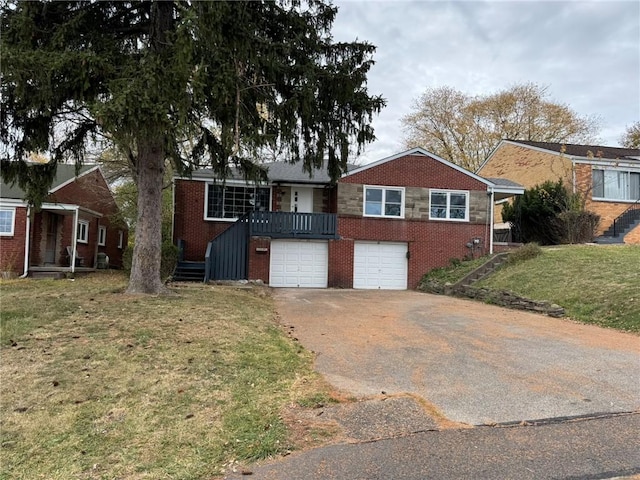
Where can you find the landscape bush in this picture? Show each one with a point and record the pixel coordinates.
(548, 214)
(526, 252)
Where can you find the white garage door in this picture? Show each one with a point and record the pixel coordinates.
(380, 265)
(298, 263)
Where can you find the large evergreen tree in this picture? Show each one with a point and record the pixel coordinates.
(193, 82)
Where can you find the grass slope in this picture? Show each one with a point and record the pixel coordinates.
(96, 384)
(595, 284)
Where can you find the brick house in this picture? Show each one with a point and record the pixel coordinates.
(76, 226)
(607, 178)
(381, 225)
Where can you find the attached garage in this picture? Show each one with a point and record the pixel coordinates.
(380, 265)
(298, 263)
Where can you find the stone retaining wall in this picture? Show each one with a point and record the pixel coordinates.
(510, 300)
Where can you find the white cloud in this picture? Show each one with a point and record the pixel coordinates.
(587, 52)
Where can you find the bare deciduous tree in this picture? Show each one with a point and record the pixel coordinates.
(465, 129)
(631, 136)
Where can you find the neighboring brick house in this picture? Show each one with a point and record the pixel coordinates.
(607, 178)
(79, 218)
(382, 225)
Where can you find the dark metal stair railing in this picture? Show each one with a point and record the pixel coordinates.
(624, 216)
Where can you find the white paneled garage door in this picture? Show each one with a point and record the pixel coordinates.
(298, 263)
(380, 265)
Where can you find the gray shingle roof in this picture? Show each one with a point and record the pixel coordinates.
(503, 182)
(282, 172)
(64, 173)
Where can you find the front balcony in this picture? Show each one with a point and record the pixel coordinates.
(293, 225)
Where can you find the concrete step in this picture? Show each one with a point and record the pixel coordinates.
(49, 275)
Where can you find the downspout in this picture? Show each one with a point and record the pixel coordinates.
(74, 239)
(173, 211)
(491, 222)
(95, 253)
(27, 244)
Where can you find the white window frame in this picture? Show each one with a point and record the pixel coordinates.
(604, 198)
(384, 198)
(82, 235)
(448, 207)
(12, 211)
(120, 239)
(230, 184)
(102, 235)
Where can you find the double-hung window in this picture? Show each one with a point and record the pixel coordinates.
(83, 231)
(449, 205)
(7, 221)
(384, 202)
(233, 201)
(616, 185)
(102, 235)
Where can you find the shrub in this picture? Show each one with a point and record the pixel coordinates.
(577, 226)
(167, 263)
(526, 252)
(549, 214)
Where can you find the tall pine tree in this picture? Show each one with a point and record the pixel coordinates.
(196, 83)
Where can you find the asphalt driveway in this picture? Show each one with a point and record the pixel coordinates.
(474, 363)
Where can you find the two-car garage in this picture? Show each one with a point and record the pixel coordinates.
(305, 263)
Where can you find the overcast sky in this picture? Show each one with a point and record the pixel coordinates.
(586, 52)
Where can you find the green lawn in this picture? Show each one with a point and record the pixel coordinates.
(595, 284)
(97, 384)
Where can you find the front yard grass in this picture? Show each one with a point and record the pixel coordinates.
(595, 284)
(96, 384)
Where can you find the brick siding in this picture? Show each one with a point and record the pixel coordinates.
(190, 225)
(633, 237)
(608, 211)
(527, 166)
(91, 191)
(431, 243)
(259, 260)
(12, 248)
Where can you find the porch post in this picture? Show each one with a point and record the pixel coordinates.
(74, 239)
(492, 199)
(27, 244)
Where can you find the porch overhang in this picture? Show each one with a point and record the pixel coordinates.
(65, 209)
(503, 192)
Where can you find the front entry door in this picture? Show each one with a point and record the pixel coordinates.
(52, 239)
(302, 199)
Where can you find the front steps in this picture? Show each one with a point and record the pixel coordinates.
(624, 224)
(189, 272)
(479, 273)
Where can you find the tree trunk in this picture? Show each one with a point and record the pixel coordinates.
(145, 266)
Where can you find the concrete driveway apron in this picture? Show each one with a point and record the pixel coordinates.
(475, 363)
